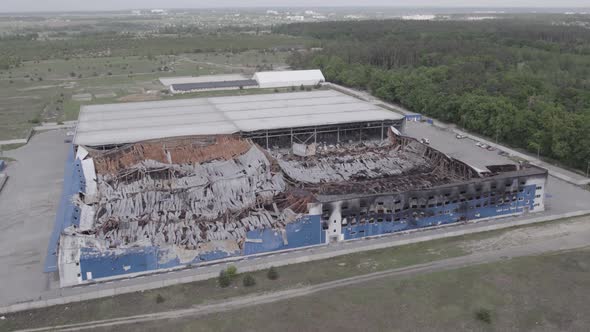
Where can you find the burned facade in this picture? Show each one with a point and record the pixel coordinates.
(161, 203)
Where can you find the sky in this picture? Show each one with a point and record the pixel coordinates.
(103, 5)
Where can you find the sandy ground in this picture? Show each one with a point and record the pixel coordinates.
(525, 236)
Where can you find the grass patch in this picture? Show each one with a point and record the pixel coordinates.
(7, 147)
(25, 100)
(483, 315)
(524, 294)
(7, 159)
(71, 109)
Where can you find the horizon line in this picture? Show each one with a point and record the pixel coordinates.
(238, 7)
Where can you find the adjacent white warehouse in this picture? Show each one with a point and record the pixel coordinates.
(278, 79)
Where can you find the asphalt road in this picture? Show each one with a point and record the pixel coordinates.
(28, 203)
(570, 241)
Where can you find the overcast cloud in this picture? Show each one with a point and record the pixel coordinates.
(75, 5)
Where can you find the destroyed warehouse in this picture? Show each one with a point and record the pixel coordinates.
(164, 184)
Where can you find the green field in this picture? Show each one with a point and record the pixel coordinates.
(42, 90)
(539, 293)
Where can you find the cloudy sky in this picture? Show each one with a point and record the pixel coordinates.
(74, 5)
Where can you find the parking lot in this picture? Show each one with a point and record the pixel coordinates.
(561, 196)
(464, 149)
(28, 205)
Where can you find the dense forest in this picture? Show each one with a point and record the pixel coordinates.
(525, 83)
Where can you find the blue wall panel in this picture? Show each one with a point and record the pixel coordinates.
(67, 213)
(307, 232)
(113, 263)
(440, 215)
(302, 233)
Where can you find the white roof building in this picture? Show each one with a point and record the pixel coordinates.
(287, 78)
(122, 123)
(168, 81)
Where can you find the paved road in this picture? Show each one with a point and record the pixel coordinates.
(28, 203)
(571, 241)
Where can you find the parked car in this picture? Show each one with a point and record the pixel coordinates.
(459, 136)
(425, 141)
(491, 148)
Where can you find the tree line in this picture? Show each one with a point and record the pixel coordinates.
(525, 83)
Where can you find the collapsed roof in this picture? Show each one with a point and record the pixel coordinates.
(192, 191)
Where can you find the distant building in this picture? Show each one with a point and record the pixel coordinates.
(214, 85)
(159, 11)
(276, 79)
(296, 18)
(418, 17)
(265, 79)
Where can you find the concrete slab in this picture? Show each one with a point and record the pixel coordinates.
(27, 211)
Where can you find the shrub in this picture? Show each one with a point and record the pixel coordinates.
(160, 298)
(35, 120)
(232, 271)
(483, 315)
(224, 280)
(248, 280)
(272, 273)
(302, 87)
